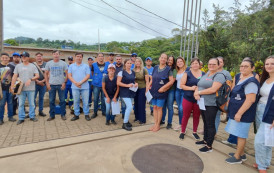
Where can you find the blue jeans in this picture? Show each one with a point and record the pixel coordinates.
(169, 106)
(68, 89)
(42, 90)
(217, 120)
(109, 116)
(123, 106)
(52, 97)
(76, 103)
(179, 95)
(96, 92)
(7, 98)
(22, 99)
(90, 93)
(129, 107)
(263, 154)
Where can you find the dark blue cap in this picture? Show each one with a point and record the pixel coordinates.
(15, 54)
(149, 58)
(134, 54)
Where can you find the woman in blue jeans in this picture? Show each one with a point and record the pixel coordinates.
(171, 95)
(179, 93)
(111, 91)
(125, 80)
(265, 116)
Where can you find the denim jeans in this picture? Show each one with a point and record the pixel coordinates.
(42, 90)
(129, 107)
(123, 106)
(97, 91)
(84, 93)
(68, 89)
(217, 120)
(109, 115)
(90, 93)
(52, 97)
(7, 98)
(169, 106)
(22, 100)
(179, 94)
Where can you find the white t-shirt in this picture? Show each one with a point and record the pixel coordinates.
(264, 92)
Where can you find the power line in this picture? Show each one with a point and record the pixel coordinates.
(153, 13)
(111, 17)
(125, 9)
(133, 19)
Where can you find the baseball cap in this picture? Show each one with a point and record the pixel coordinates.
(70, 58)
(15, 54)
(111, 65)
(111, 53)
(149, 58)
(25, 54)
(91, 58)
(134, 54)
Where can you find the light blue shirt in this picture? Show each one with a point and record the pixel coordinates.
(79, 72)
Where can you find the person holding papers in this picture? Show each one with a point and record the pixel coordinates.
(111, 91)
(126, 82)
(206, 90)
(142, 78)
(189, 83)
(242, 109)
(162, 80)
(265, 116)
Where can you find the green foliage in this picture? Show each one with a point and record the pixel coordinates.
(12, 42)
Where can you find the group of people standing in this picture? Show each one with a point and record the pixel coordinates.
(130, 81)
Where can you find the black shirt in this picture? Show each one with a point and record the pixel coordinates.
(6, 72)
(101, 67)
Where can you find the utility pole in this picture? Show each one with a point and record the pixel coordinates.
(99, 41)
(1, 25)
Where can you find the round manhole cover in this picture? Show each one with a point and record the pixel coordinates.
(158, 158)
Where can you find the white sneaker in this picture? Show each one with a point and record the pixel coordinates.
(177, 128)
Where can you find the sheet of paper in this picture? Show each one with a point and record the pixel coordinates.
(115, 108)
(201, 104)
(269, 135)
(133, 88)
(148, 96)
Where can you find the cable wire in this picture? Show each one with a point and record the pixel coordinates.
(134, 19)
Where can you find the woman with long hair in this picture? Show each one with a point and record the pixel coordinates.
(189, 83)
(125, 80)
(179, 93)
(171, 95)
(162, 79)
(265, 116)
(142, 78)
(206, 89)
(242, 109)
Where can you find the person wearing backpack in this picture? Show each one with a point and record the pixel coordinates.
(142, 78)
(211, 82)
(228, 77)
(242, 109)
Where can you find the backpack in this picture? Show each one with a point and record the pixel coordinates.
(222, 95)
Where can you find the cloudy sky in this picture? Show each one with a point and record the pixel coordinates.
(67, 20)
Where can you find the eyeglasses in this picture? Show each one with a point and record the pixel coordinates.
(244, 66)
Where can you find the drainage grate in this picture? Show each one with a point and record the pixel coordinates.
(166, 158)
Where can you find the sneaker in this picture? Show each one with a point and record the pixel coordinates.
(33, 119)
(20, 122)
(50, 118)
(177, 128)
(141, 123)
(1, 122)
(196, 136)
(12, 119)
(233, 160)
(74, 118)
(135, 120)
(200, 142)
(87, 117)
(162, 122)
(27, 116)
(63, 117)
(243, 157)
(169, 126)
(113, 122)
(227, 143)
(129, 124)
(205, 149)
(107, 123)
(42, 114)
(182, 136)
